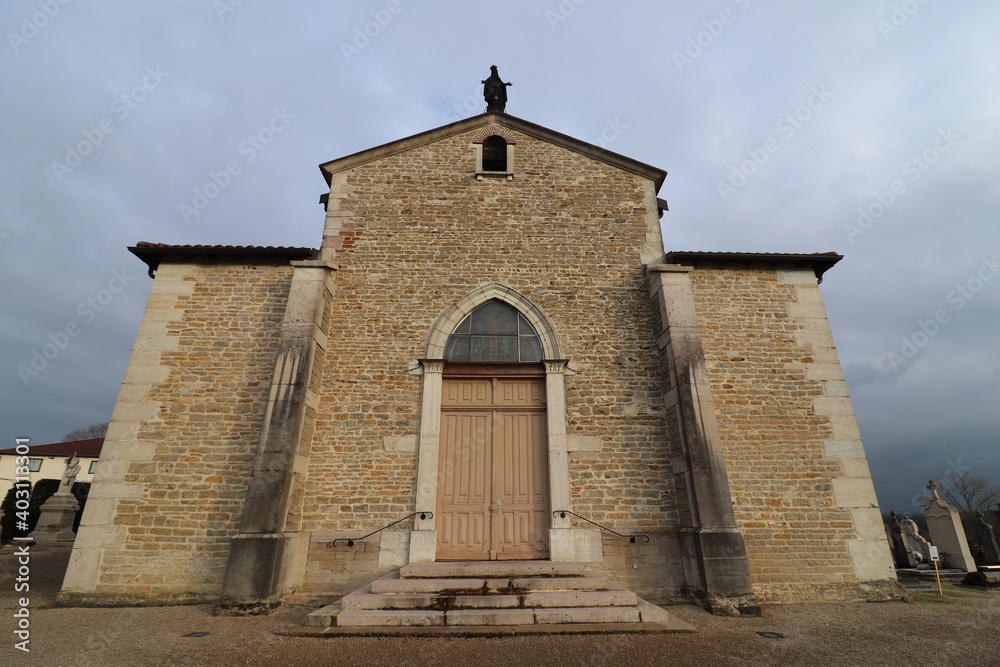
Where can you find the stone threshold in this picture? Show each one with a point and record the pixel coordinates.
(672, 625)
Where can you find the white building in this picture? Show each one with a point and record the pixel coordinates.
(49, 461)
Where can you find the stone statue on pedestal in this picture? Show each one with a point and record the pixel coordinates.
(69, 474)
(55, 523)
(495, 91)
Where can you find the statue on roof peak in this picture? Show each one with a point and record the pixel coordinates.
(495, 91)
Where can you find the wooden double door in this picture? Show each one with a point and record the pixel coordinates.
(493, 472)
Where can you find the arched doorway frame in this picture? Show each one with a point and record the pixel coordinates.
(423, 538)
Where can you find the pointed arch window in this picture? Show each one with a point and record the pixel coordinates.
(494, 332)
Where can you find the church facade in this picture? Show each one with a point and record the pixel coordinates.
(491, 348)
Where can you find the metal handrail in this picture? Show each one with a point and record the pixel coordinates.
(351, 540)
(631, 538)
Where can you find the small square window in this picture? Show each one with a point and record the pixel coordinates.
(34, 465)
(93, 467)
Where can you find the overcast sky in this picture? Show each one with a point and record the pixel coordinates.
(867, 127)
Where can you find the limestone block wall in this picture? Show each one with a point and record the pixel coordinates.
(413, 233)
(167, 497)
(801, 488)
(649, 569)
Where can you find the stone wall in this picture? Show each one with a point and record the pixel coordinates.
(648, 569)
(801, 489)
(412, 234)
(168, 494)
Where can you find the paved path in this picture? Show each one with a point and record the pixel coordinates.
(964, 630)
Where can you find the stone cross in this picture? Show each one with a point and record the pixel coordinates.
(933, 487)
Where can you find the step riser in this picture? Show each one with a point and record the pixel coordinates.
(527, 601)
(358, 602)
(477, 586)
(433, 586)
(492, 570)
(460, 617)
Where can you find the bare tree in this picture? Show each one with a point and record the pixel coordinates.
(89, 433)
(970, 493)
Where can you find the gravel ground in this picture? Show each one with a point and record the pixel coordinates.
(962, 629)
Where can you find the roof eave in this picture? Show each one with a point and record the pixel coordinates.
(153, 254)
(819, 262)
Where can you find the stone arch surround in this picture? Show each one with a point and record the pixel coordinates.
(423, 539)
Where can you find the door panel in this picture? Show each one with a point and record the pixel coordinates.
(493, 447)
(520, 465)
(463, 485)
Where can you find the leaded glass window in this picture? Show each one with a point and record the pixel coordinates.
(494, 332)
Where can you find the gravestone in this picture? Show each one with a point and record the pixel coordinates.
(947, 534)
(915, 542)
(986, 540)
(901, 555)
(55, 523)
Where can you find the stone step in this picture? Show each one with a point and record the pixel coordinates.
(587, 615)
(322, 617)
(530, 585)
(356, 601)
(392, 584)
(580, 599)
(489, 617)
(364, 600)
(515, 594)
(453, 586)
(349, 618)
(492, 569)
(382, 618)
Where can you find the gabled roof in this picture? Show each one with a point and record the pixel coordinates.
(504, 120)
(88, 449)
